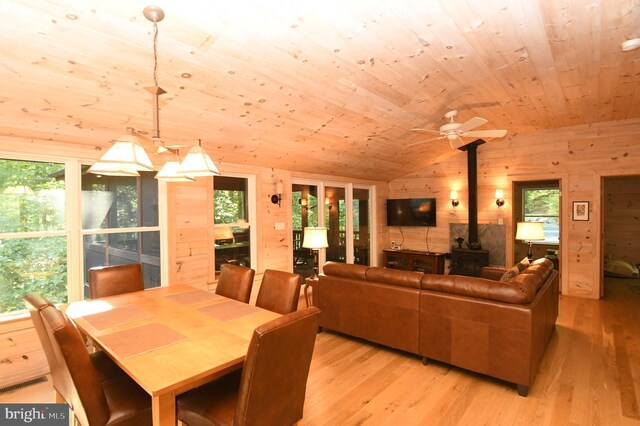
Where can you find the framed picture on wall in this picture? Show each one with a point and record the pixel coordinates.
(580, 210)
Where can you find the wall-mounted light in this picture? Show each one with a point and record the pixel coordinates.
(277, 197)
(499, 197)
(327, 202)
(304, 203)
(454, 198)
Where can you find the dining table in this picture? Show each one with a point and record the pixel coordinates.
(170, 339)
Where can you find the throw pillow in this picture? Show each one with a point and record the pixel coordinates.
(509, 274)
(523, 264)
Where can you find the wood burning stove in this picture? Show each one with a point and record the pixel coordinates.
(470, 261)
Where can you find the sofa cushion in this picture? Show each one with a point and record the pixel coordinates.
(523, 264)
(394, 276)
(345, 270)
(509, 274)
(523, 291)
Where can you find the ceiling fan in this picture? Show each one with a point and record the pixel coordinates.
(455, 132)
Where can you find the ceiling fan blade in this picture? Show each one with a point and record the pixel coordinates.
(471, 124)
(426, 140)
(425, 130)
(485, 134)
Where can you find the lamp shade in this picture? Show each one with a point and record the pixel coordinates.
(499, 193)
(128, 153)
(112, 169)
(198, 163)
(530, 231)
(223, 233)
(169, 173)
(315, 238)
(453, 195)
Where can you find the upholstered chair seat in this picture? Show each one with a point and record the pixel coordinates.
(112, 280)
(270, 389)
(94, 400)
(279, 291)
(235, 282)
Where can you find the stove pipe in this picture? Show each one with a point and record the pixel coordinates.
(472, 178)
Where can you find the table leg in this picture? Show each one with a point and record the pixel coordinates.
(163, 409)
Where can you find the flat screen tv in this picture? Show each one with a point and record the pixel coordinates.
(411, 212)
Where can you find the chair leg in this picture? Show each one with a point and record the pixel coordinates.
(522, 390)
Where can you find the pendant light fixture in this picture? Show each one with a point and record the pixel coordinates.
(198, 163)
(127, 157)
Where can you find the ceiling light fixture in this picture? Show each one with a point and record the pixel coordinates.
(632, 44)
(127, 157)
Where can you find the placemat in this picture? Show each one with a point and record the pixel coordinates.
(116, 316)
(138, 340)
(192, 297)
(227, 311)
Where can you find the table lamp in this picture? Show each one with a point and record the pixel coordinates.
(530, 232)
(315, 238)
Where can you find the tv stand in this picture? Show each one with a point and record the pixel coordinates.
(414, 260)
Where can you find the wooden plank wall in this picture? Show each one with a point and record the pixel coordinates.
(21, 354)
(579, 156)
(622, 218)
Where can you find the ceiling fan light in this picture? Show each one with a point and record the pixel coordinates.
(198, 163)
(112, 169)
(169, 173)
(126, 151)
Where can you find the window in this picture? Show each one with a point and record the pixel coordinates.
(120, 223)
(233, 220)
(33, 242)
(40, 236)
(543, 205)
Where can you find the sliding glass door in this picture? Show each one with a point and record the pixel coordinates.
(347, 213)
(305, 213)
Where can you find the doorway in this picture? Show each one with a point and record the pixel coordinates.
(620, 234)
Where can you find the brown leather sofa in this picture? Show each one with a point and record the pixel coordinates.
(500, 329)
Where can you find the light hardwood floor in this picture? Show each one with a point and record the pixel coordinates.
(590, 375)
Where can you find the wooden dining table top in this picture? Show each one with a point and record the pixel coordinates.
(170, 339)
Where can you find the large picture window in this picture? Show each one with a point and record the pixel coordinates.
(120, 223)
(33, 243)
(41, 238)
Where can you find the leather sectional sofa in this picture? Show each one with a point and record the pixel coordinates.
(496, 328)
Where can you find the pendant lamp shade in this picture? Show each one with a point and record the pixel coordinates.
(198, 163)
(169, 173)
(112, 169)
(127, 153)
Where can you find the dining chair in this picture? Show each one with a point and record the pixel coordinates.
(104, 366)
(112, 401)
(279, 291)
(235, 282)
(270, 388)
(118, 279)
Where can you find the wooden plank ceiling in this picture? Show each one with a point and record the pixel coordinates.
(318, 86)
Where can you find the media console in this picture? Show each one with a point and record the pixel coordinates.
(414, 260)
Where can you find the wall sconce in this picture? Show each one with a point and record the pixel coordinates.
(304, 203)
(454, 198)
(499, 197)
(277, 197)
(327, 201)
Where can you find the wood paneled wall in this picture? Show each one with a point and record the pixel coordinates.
(578, 156)
(622, 218)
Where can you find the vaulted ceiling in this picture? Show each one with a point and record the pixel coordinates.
(328, 86)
